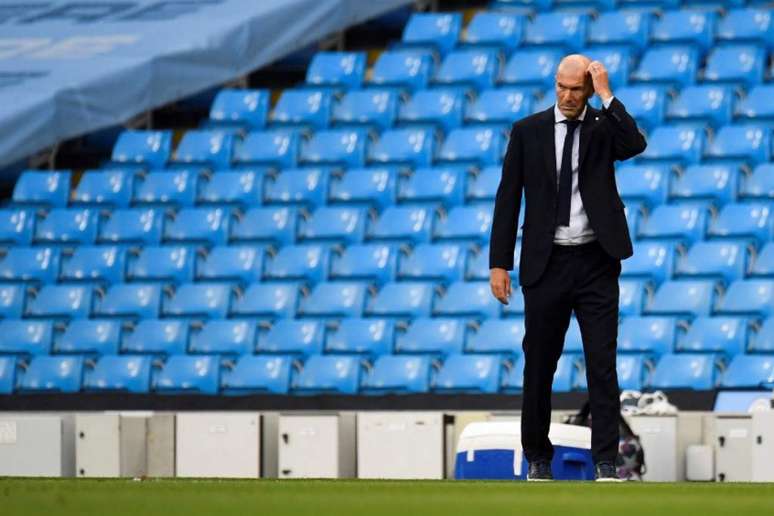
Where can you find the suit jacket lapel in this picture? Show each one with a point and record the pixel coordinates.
(547, 146)
(587, 127)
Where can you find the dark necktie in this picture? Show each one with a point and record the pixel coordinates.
(565, 176)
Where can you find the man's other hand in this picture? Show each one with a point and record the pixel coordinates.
(500, 282)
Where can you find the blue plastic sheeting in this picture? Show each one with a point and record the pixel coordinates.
(71, 67)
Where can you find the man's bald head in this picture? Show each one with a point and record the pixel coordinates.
(573, 64)
(573, 85)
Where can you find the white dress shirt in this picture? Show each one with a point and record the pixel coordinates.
(579, 231)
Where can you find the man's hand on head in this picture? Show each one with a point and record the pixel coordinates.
(500, 283)
(599, 78)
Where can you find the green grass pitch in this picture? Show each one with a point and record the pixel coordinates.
(376, 498)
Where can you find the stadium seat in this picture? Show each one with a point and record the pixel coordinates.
(706, 103)
(565, 30)
(222, 337)
(46, 189)
(334, 224)
(308, 262)
(499, 336)
(303, 107)
(375, 186)
(651, 335)
(716, 182)
(33, 264)
(648, 183)
(344, 147)
(303, 186)
(202, 147)
(621, 27)
(438, 336)
(59, 301)
(475, 145)
(686, 371)
(278, 147)
(475, 374)
(617, 61)
(652, 260)
(756, 106)
(63, 374)
(685, 26)
(243, 264)
(168, 264)
(175, 188)
(753, 297)
(727, 335)
(182, 374)
(437, 31)
(717, 260)
(267, 225)
(633, 371)
(103, 264)
(372, 337)
(500, 106)
(150, 149)
(492, 29)
(374, 262)
(675, 222)
(328, 374)
(568, 373)
(763, 264)
(376, 108)
(675, 144)
(403, 299)
(465, 223)
(398, 375)
(198, 300)
(403, 69)
(760, 184)
(406, 146)
(132, 226)
(243, 188)
(268, 300)
(442, 108)
(433, 185)
(532, 67)
(736, 64)
(671, 65)
(158, 337)
(113, 373)
(743, 220)
(66, 227)
(335, 299)
(16, 226)
(751, 24)
(135, 300)
(241, 108)
(482, 186)
(634, 294)
(515, 306)
(521, 6)
(7, 374)
(26, 338)
(89, 337)
(478, 263)
(645, 102)
(469, 68)
(741, 142)
(258, 375)
(11, 301)
(437, 262)
(204, 226)
(293, 337)
(467, 299)
(407, 224)
(749, 372)
(762, 340)
(689, 298)
(337, 69)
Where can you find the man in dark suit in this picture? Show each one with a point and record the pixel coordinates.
(574, 238)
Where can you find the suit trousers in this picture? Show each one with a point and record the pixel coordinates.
(583, 279)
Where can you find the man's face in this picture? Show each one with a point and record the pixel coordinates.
(573, 89)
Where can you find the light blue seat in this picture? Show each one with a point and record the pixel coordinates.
(736, 64)
(47, 189)
(66, 227)
(467, 299)
(342, 224)
(674, 65)
(208, 300)
(266, 225)
(223, 337)
(760, 184)
(115, 373)
(405, 146)
(482, 145)
(675, 143)
(634, 295)
(33, 264)
(652, 260)
(706, 103)
(328, 374)
(513, 377)
(344, 147)
(20, 337)
(686, 371)
(645, 102)
(212, 148)
(205, 226)
(743, 220)
(403, 299)
(741, 142)
(375, 186)
(749, 372)
(231, 263)
(303, 107)
(337, 69)
(59, 301)
(500, 336)
(718, 260)
(335, 299)
(492, 29)
(258, 375)
(633, 371)
(762, 341)
(568, 373)
(102, 264)
(293, 337)
(374, 262)
(431, 185)
(483, 185)
(621, 27)
(647, 182)
(303, 186)
(132, 226)
(405, 69)
(617, 60)
(565, 30)
(278, 147)
(184, 374)
(242, 108)
(532, 67)
(763, 264)
(756, 106)
(169, 264)
(135, 300)
(438, 31)
(753, 24)
(159, 337)
(476, 374)
(16, 226)
(237, 187)
(403, 374)
(11, 301)
(685, 26)
(150, 149)
(408, 224)
(437, 336)
(515, 304)
(573, 340)
(441, 108)
(308, 262)
(91, 337)
(7, 374)
(717, 182)
(675, 222)
(372, 337)
(691, 298)
(753, 297)
(270, 300)
(465, 223)
(469, 68)
(438, 262)
(167, 188)
(521, 6)
(478, 263)
(372, 108)
(500, 106)
(726, 335)
(650, 334)
(62, 374)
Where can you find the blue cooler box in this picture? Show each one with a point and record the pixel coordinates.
(492, 451)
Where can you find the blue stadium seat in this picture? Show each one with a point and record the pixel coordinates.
(442, 108)
(18, 337)
(163, 337)
(372, 337)
(174, 188)
(136, 300)
(169, 264)
(617, 60)
(150, 149)
(751, 24)
(266, 300)
(648, 183)
(337, 69)
(735, 142)
(182, 374)
(706, 103)
(717, 182)
(303, 107)
(699, 372)
(437, 336)
(763, 264)
(404, 69)
(92, 337)
(132, 226)
(762, 340)
(465, 223)
(469, 68)
(409, 224)
(431, 185)
(103, 264)
(515, 306)
(492, 29)
(104, 188)
(34, 264)
(565, 30)
(403, 299)
(727, 335)
(743, 220)
(749, 372)
(16, 226)
(521, 6)
(573, 340)
(212, 148)
(238, 187)
(11, 301)
(753, 297)
(651, 335)
(475, 145)
(676, 222)
(258, 375)
(760, 184)
(328, 374)
(685, 26)
(438, 31)
(205, 226)
(675, 143)
(438, 262)
(199, 300)
(501, 336)
(718, 260)
(500, 106)
(477, 374)
(309, 262)
(634, 294)
(690, 298)
(7, 374)
(398, 375)
(278, 147)
(375, 262)
(672, 65)
(645, 102)
(119, 373)
(652, 260)
(293, 337)
(345, 147)
(334, 224)
(533, 67)
(756, 106)
(60, 301)
(231, 263)
(405, 146)
(335, 299)
(468, 299)
(621, 27)
(373, 108)
(478, 263)
(268, 225)
(62, 374)
(241, 108)
(483, 185)
(633, 371)
(303, 186)
(736, 64)
(66, 227)
(374, 186)
(223, 337)
(47, 189)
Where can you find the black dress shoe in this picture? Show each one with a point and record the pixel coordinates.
(607, 472)
(539, 471)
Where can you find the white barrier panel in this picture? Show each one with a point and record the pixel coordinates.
(763, 446)
(316, 446)
(733, 448)
(37, 446)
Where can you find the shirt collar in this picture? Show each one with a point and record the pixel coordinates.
(559, 116)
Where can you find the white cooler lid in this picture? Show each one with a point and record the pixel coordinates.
(506, 435)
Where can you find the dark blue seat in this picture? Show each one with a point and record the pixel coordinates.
(482, 186)
(442, 108)
(645, 102)
(404, 69)
(437, 31)
(500, 336)
(119, 373)
(676, 222)
(431, 185)
(309, 262)
(673, 65)
(403, 299)
(532, 67)
(208, 300)
(104, 188)
(749, 372)
(303, 107)
(66, 227)
(753, 297)
(237, 187)
(760, 184)
(741, 142)
(439, 262)
(617, 60)
(342, 224)
(633, 296)
(206, 226)
(763, 264)
(159, 337)
(477, 145)
(337, 69)
(62, 374)
(716, 182)
(726, 335)
(34, 264)
(231, 263)
(685, 26)
(398, 375)
(267, 300)
(344, 147)
(647, 182)
(650, 334)
(303, 186)
(328, 374)
(736, 64)
(8, 367)
(223, 337)
(408, 224)
(12, 301)
(149, 149)
(686, 371)
(26, 338)
(675, 144)
(465, 223)
(60, 301)
(135, 300)
(757, 105)
(278, 147)
(565, 30)
(467, 299)
(132, 226)
(241, 108)
(372, 108)
(174, 188)
(652, 260)
(477, 374)
(293, 337)
(375, 186)
(370, 337)
(268, 225)
(102, 264)
(706, 103)
(720, 260)
(621, 27)
(212, 148)
(183, 374)
(493, 29)
(90, 337)
(169, 264)
(335, 299)
(743, 220)
(469, 68)
(500, 106)
(684, 298)
(47, 189)
(405, 146)
(258, 375)
(751, 24)
(16, 226)
(375, 262)
(439, 336)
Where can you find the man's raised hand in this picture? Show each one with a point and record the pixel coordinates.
(599, 78)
